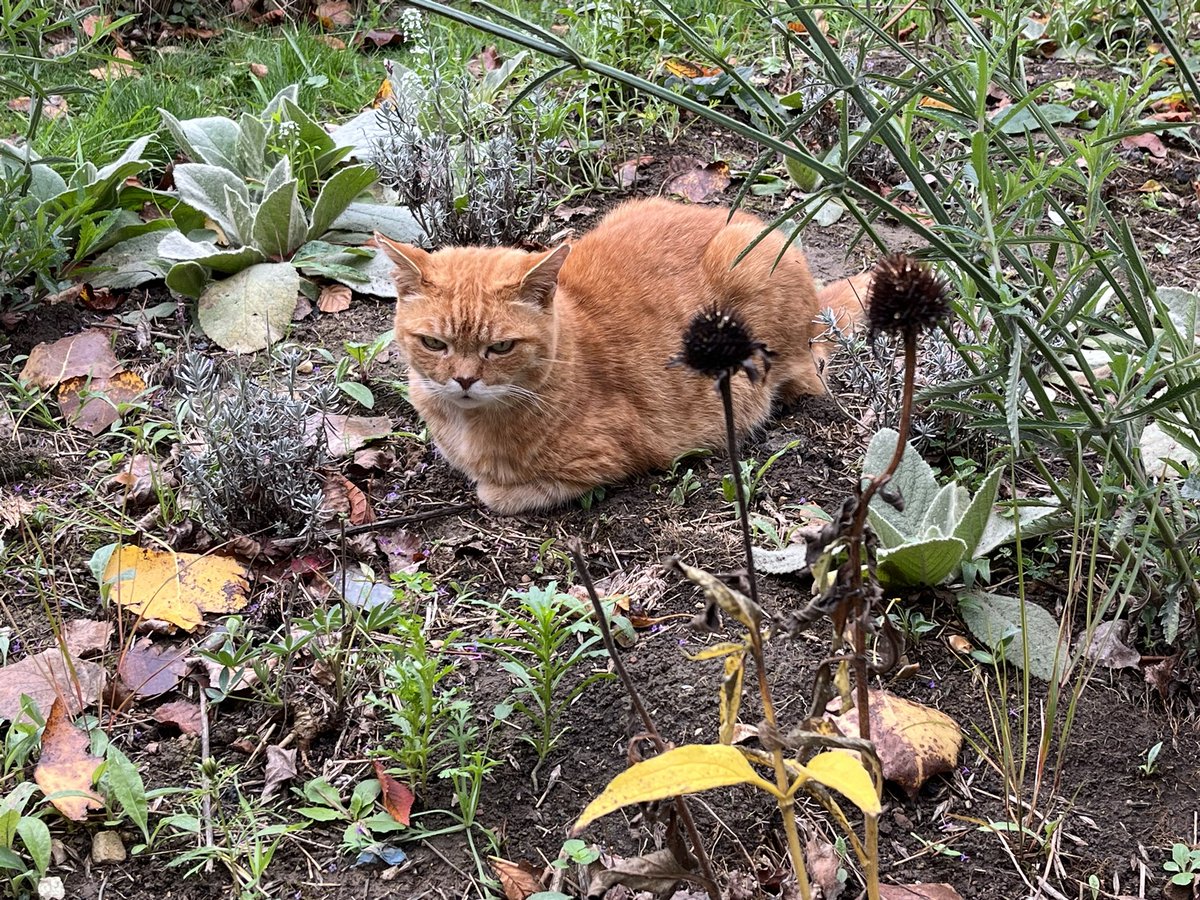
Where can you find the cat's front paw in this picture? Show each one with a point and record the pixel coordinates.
(534, 495)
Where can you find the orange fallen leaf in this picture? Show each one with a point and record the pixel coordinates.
(934, 103)
(335, 298)
(66, 765)
(397, 797)
(178, 588)
(385, 93)
(682, 68)
(92, 405)
(335, 42)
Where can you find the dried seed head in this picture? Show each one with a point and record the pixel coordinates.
(905, 296)
(718, 343)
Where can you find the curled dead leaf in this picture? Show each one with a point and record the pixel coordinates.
(697, 181)
(335, 298)
(397, 797)
(518, 879)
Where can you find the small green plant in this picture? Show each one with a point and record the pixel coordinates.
(24, 841)
(420, 704)
(364, 825)
(1184, 865)
(1149, 766)
(926, 531)
(575, 852)
(753, 475)
(540, 644)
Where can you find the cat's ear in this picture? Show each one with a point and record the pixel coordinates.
(540, 282)
(410, 264)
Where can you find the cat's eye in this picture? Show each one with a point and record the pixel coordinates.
(433, 343)
(501, 347)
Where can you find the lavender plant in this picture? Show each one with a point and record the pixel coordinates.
(250, 458)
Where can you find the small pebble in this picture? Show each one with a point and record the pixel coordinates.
(51, 889)
(304, 367)
(107, 848)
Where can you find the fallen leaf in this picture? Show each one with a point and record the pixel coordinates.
(823, 865)
(85, 355)
(566, 212)
(698, 182)
(176, 587)
(1150, 186)
(934, 103)
(1149, 142)
(342, 496)
(334, 14)
(518, 879)
(914, 742)
(13, 509)
(84, 636)
(280, 769)
(44, 678)
(487, 60)
(397, 797)
(383, 37)
(345, 434)
(656, 872)
(402, 548)
(918, 892)
(183, 714)
(1108, 647)
(149, 669)
(335, 42)
(92, 405)
(682, 68)
(1161, 675)
(258, 70)
(140, 480)
(374, 458)
(66, 765)
(101, 300)
(627, 171)
(53, 106)
(335, 298)
(191, 33)
(115, 68)
(959, 644)
(93, 23)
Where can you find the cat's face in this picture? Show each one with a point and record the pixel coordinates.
(476, 325)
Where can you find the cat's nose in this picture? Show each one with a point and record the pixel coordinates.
(465, 381)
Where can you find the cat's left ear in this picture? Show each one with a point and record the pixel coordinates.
(540, 282)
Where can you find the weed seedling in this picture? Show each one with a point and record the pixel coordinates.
(1150, 765)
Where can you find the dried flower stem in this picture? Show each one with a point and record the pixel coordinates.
(681, 808)
(735, 468)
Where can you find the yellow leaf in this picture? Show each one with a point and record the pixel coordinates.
(718, 650)
(684, 770)
(176, 587)
(844, 773)
(731, 694)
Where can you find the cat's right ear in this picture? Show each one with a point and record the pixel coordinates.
(410, 264)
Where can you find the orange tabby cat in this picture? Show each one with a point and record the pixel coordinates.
(543, 375)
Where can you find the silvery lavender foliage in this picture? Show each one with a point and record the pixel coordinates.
(248, 460)
(467, 176)
(873, 371)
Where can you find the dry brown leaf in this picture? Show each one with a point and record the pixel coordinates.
(627, 171)
(115, 68)
(345, 434)
(914, 742)
(397, 797)
(381, 37)
(697, 182)
(178, 588)
(334, 14)
(45, 677)
(1148, 141)
(1162, 676)
(149, 669)
(140, 480)
(1108, 647)
(93, 23)
(402, 548)
(13, 510)
(66, 765)
(918, 892)
(518, 879)
(258, 70)
(92, 405)
(823, 865)
(83, 355)
(54, 106)
(183, 714)
(281, 768)
(335, 42)
(83, 636)
(656, 872)
(335, 298)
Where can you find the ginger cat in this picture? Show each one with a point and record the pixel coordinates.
(543, 375)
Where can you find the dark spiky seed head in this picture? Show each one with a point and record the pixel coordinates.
(905, 296)
(717, 342)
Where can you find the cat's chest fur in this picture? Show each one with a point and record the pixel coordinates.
(543, 375)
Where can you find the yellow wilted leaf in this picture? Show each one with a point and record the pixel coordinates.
(933, 103)
(725, 648)
(176, 587)
(684, 770)
(731, 694)
(385, 93)
(844, 773)
(66, 767)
